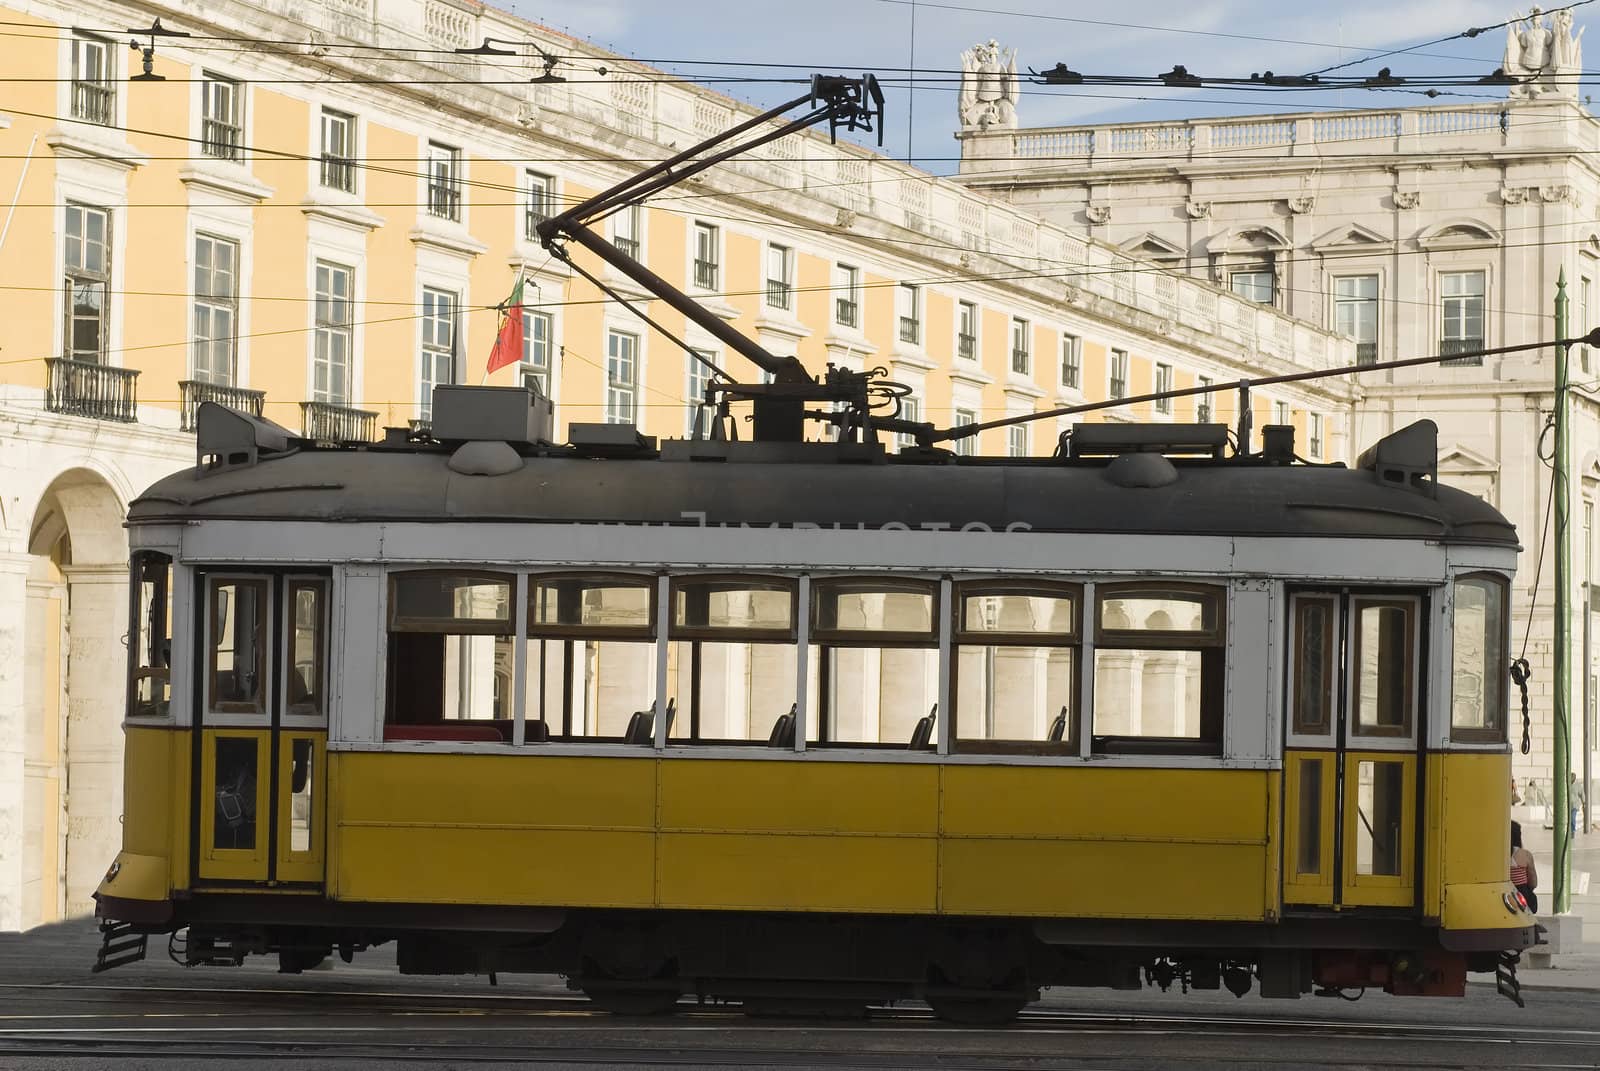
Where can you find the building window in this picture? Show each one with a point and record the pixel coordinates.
(625, 231)
(697, 367)
(1462, 327)
(967, 331)
(539, 194)
(910, 409)
(221, 122)
(1021, 347)
(780, 276)
(94, 92)
(1314, 435)
(1280, 412)
(1017, 440)
(1355, 313)
(1252, 285)
(438, 344)
(1118, 387)
(846, 295)
(1071, 361)
(967, 445)
(705, 256)
(908, 300)
(334, 328)
(444, 181)
(537, 330)
(1163, 384)
(88, 281)
(622, 376)
(1202, 407)
(1585, 292)
(216, 309)
(338, 150)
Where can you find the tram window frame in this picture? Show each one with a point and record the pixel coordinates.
(1412, 605)
(1327, 655)
(979, 639)
(304, 699)
(687, 729)
(150, 634)
(214, 631)
(825, 641)
(499, 627)
(1493, 666)
(574, 632)
(1210, 641)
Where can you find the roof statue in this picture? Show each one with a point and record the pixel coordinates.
(1544, 54)
(988, 87)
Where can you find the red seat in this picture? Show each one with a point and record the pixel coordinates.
(443, 731)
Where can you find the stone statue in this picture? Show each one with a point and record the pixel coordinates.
(1547, 58)
(988, 87)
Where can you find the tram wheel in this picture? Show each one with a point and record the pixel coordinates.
(294, 959)
(622, 1001)
(977, 1011)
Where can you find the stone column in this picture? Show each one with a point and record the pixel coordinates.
(97, 601)
(13, 728)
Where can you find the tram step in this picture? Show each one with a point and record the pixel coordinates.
(119, 945)
(1505, 978)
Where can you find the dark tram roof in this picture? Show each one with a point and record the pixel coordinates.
(1141, 493)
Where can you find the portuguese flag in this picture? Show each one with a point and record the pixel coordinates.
(508, 343)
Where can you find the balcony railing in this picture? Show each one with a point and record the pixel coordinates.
(966, 346)
(94, 102)
(219, 139)
(1070, 374)
(1366, 353)
(1019, 361)
(196, 391)
(1119, 388)
(89, 389)
(705, 274)
(1452, 346)
(845, 312)
(780, 295)
(1202, 413)
(325, 422)
(338, 173)
(531, 218)
(627, 246)
(444, 200)
(910, 329)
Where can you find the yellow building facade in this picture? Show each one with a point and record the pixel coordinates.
(312, 213)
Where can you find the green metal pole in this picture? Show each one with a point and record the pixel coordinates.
(1560, 730)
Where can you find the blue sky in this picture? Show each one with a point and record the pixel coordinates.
(1214, 37)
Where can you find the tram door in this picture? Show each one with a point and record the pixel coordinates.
(1351, 749)
(262, 728)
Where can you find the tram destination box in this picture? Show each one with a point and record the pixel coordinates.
(503, 414)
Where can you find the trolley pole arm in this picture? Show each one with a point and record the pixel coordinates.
(854, 103)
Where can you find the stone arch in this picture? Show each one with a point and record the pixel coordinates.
(73, 624)
(1460, 233)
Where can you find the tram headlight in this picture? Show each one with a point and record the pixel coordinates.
(113, 871)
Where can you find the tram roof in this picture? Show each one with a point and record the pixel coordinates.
(1221, 498)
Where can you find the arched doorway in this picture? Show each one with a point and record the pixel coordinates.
(72, 695)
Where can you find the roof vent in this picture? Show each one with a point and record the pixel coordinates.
(1141, 470)
(228, 439)
(490, 414)
(610, 440)
(1110, 440)
(1406, 458)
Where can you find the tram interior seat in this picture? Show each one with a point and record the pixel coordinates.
(536, 731)
(1058, 728)
(783, 730)
(922, 735)
(642, 726)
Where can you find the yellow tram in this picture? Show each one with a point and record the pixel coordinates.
(819, 726)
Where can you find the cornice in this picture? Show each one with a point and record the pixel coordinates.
(100, 144)
(790, 329)
(459, 244)
(969, 373)
(233, 182)
(343, 213)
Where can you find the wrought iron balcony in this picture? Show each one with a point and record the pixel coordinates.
(195, 391)
(1020, 360)
(1366, 353)
(966, 346)
(780, 295)
(326, 422)
(910, 329)
(627, 246)
(1452, 346)
(705, 274)
(94, 102)
(219, 139)
(338, 173)
(846, 312)
(90, 389)
(444, 200)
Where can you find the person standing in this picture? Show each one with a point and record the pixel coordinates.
(1524, 874)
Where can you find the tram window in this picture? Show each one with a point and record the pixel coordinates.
(877, 658)
(591, 655)
(1315, 629)
(1380, 807)
(732, 657)
(307, 671)
(150, 636)
(450, 652)
(1385, 644)
(238, 631)
(1478, 692)
(1158, 668)
(1015, 661)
